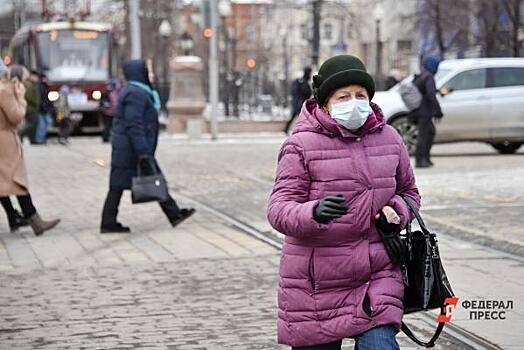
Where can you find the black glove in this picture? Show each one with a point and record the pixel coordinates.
(330, 208)
(390, 234)
(438, 115)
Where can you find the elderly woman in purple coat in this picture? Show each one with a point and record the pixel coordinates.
(341, 167)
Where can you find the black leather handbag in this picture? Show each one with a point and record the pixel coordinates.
(148, 188)
(426, 285)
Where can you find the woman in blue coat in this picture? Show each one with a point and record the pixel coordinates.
(134, 137)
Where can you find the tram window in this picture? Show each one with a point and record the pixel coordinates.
(74, 55)
(18, 55)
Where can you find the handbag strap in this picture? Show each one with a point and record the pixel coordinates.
(404, 327)
(430, 343)
(415, 211)
(150, 160)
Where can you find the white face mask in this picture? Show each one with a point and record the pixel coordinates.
(351, 114)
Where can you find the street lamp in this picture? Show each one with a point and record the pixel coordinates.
(186, 43)
(378, 14)
(165, 28)
(224, 8)
(165, 31)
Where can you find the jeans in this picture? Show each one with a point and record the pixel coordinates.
(378, 338)
(382, 338)
(43, 124)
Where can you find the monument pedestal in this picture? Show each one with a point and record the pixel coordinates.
(186, 98)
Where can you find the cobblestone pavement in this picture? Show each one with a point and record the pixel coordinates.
(203, 285)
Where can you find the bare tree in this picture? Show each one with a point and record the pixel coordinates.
(512, 8)
(444, 20)
(488, 14)
(316, 11)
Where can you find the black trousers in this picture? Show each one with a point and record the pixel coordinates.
(26, 204)
(425, 137)
(112, 202)
(108, 123)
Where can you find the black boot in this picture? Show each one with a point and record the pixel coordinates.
(184, 214)
(174, 214)
(16, 220)
(423, 164)
(109, 213)
(115, 227)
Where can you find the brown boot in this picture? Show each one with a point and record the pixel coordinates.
(40, 226)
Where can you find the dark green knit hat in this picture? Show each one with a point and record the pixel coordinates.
(339, 71)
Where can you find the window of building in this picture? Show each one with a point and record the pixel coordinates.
(350, 29)
(328, 31)
(404, 45)
(304, 31)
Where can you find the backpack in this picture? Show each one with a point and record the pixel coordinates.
(410, 94)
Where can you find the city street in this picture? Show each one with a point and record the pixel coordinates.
(207, 284)
(216, 86)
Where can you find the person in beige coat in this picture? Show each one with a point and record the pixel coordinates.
(13, 175)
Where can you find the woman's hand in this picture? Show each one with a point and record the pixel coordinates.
(391, 215)
(330, 208)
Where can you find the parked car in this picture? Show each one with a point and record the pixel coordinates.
(482, 100)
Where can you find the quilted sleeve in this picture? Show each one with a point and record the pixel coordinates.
(289, 210)
(406, 186)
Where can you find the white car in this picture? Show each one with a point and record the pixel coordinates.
(482, 100)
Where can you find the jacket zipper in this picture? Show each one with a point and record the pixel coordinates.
(312, 271)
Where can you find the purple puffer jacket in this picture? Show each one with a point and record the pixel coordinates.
(326, 270)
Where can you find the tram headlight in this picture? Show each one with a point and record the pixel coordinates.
(97, 95)
(53, 96)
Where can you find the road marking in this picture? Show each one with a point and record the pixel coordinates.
(467, 195)
(487, 206)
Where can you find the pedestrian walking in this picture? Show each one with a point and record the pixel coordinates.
(134, 137)
(45, 110)
(340, 170)
(33, 101)
(13, 177)
(300, 92)
(63, 116)
(429, 109)
(109, 103)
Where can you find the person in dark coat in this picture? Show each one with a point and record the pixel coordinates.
(134, 139)
(45, 110)
(300, 92)
(429, 109)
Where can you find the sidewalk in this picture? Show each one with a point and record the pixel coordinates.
(203, 285)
